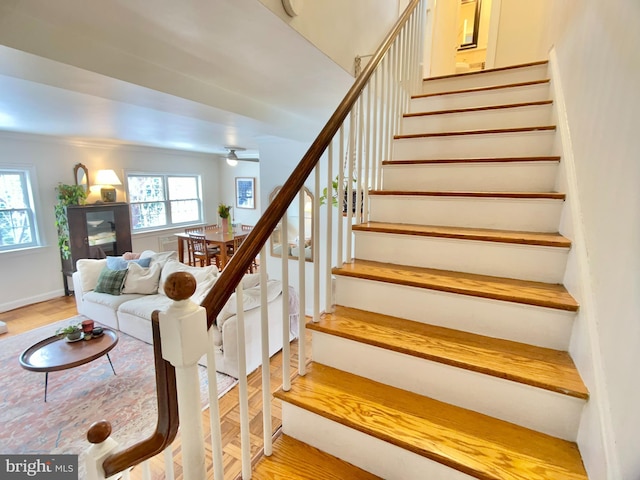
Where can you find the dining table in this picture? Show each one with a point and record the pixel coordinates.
(217, 237)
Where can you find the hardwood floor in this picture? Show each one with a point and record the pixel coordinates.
(40, 314)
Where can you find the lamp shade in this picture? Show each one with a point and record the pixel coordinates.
(107, 179)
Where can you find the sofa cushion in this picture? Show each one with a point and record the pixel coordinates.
(205, 277)
(111, 301)
(89, 272)
(110, 281)
(144, 305)
(142, 280)
(119, 263)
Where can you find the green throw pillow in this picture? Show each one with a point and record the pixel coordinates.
(110, 281)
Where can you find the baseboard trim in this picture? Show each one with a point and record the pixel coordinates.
(579, 284)
(23, 302)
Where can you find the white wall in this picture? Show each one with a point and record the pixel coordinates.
(33, 275)
(521, 33)
(596, 48)
(342, 29)
(228, 177)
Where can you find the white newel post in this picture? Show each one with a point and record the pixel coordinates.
(183, 333)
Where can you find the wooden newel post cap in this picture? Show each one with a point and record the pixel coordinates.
(99, 431)
(180, 286)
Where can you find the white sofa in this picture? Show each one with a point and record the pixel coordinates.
(130, 311)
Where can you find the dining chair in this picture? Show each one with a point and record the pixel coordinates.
(201, 252)
(212, 227)
(246, 228)
(190, 259)
(237, 242)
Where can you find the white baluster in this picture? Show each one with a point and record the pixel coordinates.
(329, 258)
(245, 440)
(168, 463)
(214, 409)
(316, 259)
(266, 371)
(302, 261)
(286, 348)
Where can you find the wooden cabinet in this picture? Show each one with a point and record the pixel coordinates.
(96, 231)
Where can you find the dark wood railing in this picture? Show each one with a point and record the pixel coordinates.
(240, 263)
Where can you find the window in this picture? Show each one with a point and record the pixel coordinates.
(17, 217)
(160, 200)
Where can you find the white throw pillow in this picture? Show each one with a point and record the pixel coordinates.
(142, 280)
(160, 257)
(89, 272)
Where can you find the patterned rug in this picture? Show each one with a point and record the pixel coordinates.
(80, 396)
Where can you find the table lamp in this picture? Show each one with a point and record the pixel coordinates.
(107, 179)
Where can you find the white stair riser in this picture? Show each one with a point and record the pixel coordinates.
(541, 326)
(499, 96)
(476, 120)
(486, 79)
(369, 453)
(534, 215)
(531, 407)
(534, 143)
(524, 262)
(472, 177)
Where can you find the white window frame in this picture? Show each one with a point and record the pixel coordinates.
(29, 198)
(170, 224)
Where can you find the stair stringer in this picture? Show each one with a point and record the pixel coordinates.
(599, 454)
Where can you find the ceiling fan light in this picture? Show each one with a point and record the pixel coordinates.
(231, 162)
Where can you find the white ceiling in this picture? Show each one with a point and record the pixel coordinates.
(195, 75)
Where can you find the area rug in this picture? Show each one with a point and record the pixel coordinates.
(80, 396)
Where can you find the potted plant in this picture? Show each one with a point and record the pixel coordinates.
(67, 195)
(334, 196)
(72, 331)
(224, 211)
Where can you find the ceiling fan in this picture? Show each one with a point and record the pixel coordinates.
(232, 158)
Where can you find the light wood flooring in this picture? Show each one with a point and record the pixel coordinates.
(40, 314)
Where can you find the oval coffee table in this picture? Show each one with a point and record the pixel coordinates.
(56, 353)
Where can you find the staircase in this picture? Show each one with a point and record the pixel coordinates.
(446, 354)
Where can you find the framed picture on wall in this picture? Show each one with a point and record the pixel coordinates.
(245, 192)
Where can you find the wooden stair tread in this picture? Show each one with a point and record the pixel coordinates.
(548, 195)
(490, 131)
(479, 109)
(471, 160)
(464, 233)
(488, 70)
(544, 368)
(497, 288)
(470, 442)
(292, 459)
(482, 89)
